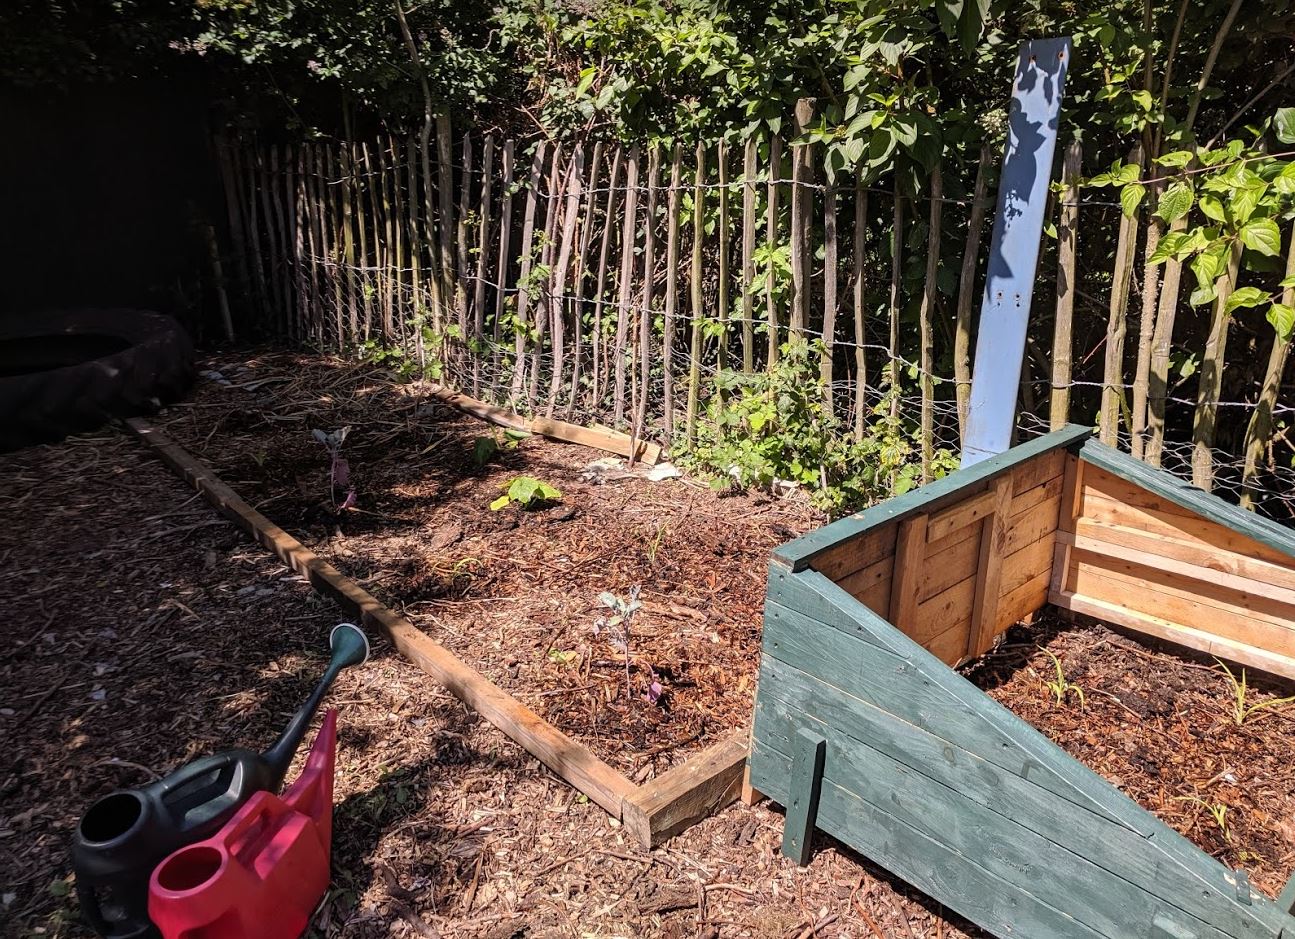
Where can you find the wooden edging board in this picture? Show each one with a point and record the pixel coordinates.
(598, 438)
(652, 812)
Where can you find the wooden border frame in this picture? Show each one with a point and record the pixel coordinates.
(652, 812)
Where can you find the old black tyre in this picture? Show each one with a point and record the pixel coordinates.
(74, 370)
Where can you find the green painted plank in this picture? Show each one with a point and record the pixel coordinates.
(895, 684)
(1184, 494)
(932, 867)
(791, 700)
(1040, 868)
(798, 554)
(795, 592)
(805, 785)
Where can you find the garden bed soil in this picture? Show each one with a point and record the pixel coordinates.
(515, 593)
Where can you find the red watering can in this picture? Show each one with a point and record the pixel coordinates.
(263, 874)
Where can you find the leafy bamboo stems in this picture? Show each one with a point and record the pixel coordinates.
(748, 254)
(1161, 343)
(552, 198)
(1063, 322)
(598, 339)
(559, 293)
(859, 295)
(628, 238)
(829, 294)
(671, 292)
(725, 237)
(1117, 322)
(926, 311)
(483, 255)
(771, 243)
(1259, 430)
(802, 201)
(581, 272)
(1205, 420)
(645, 303)
(521, 328)
(967, 288)
(896, 277)
(694, 277)
(503, 262)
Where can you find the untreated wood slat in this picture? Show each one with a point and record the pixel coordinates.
(687, 793)
(564, 756)
(993, 542)
(910, 552)
(966, 513)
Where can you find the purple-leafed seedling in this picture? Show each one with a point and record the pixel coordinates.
(339, 471)
(618, 627)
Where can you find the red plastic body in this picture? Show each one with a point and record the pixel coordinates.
(263, 874)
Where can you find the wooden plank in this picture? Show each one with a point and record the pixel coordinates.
(941, 570)
(598, 438)
(1277, 537)
(804, 786)
(993, 544)
(869, 744)
(1031, 473)
(1200, 640)
(906, 583)
(1025, 564)
(962, 515)
(1139, 589)
(801, 552)
(951, 609)
(1211, 559)
(1025, 600)
(862, 581)
(1041, 493)
(857, 552)
(567, 758)
(691, 791)
(1206, 574)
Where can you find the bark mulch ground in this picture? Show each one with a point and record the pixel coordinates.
(144, 631)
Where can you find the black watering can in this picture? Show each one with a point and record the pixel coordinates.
(129, 832)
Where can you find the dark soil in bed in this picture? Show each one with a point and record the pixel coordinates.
(514, 593)
(1159, 724)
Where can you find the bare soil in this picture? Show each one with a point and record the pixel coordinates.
(144, 631)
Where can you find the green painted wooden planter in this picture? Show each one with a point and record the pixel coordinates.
(864, 731)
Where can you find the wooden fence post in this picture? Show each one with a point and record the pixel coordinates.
(1146, 325)
(1161, 342)
(503, 262)
(581, 272)
(748, 254)
(1063, 322)
(829, 294)
(483, 244)
(461, 257)
(925, 313)
(645, 305)
(860, 330)
(722, 230)
(599, 340)
(518, 385)
(1117, 324)
(771, 240)
(694, 275)
(671, 291)
(629, 231)
(967, 290)
(450, 288)
(896, 279)
(1213, 358)
(552, 199)
(1259, 430)
(558, 298)
(802, 203)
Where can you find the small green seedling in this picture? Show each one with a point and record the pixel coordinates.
(528, 492)
(485, 448)
(1216, 810)
(1060, 688)
(1242, 709)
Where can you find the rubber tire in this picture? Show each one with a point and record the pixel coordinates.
(155, 367)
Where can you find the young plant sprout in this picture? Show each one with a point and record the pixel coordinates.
(1242, 709)
(618, 629)
(1059, 686)
(339, 471)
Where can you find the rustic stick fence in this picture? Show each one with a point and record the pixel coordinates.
(616, 285)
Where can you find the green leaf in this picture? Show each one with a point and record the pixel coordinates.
(1243, 203)
(1287, 282)
(1282, 318)
(1175, 158)
(1284, 125)
(1202, 295)
(1262, 235)
(1244, 297)
(1168, 247)
(483, 449)
(1176, 202)
(523, 489)
(1131, 196)
(1212, 207)
(499, 503)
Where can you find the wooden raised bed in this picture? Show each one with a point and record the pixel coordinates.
(863, 730)
(651, 812)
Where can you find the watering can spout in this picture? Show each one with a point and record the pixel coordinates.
(349, 647)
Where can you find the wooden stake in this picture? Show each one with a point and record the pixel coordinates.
(243, 172)
(860, 330)
(552, 198)
(310, 215)
(450, 288)
(599, 343)
(802, 204)
(364, 215)
(645, 304)
(1146, 327)
(234, 211)
(295, 183)
(581, 274)
(967, 290)
(748, 255)
(461, 260)
(694, 275)
(331, 214)
(483, 253)
(671, 291)
(725, 237)
(925, 313)
(347, 185)
(829, 293)
(1117, 323)
(503, 263)
(1213, 360)
(771, 240)
(896, 279)
(524, 275)
(626, 279)
(1161, 342)
(218, 281)
(1063, 322)
(558, 299)
(1259, 430)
